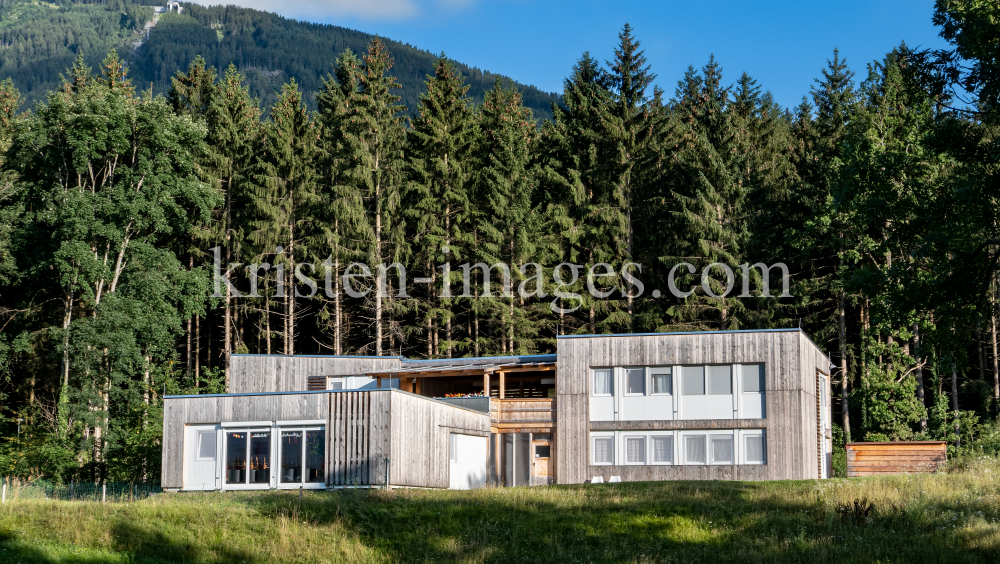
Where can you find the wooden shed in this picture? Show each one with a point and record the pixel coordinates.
(912, 457)
(321, 439)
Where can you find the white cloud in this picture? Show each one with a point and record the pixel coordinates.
(324, 9)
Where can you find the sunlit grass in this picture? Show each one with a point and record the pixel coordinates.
(949, 517)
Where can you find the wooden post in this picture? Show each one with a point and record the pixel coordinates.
(104, 492)
(378, 382)
(502, 385)
(486, 384)
(300, 495)
(416, 385)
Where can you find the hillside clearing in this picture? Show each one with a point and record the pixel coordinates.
(950, 517)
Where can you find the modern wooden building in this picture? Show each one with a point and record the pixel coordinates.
(737, 405)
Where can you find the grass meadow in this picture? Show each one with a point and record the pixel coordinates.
(946, 517)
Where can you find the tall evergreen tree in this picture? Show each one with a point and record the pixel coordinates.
(441, 166)
(372, 160)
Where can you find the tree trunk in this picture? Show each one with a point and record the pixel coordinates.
(919, 375)
(954, 400)
(378, 257)
(996, 368)
(197, 350)
(227, 344)
(842, 341)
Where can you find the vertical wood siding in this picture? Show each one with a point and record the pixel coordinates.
(362, 429)
(790, 360)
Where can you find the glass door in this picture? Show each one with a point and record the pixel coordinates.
(303, 458)
(248, 457)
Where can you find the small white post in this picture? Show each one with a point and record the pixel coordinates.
(104, 492)
(4, 500)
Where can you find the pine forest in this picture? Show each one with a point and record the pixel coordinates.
(126, 180)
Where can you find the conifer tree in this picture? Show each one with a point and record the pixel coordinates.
(192, 93)
(441, 166)
(285, 196)
(233, 119)
(628, 78)
(372, 161)
(508, 222)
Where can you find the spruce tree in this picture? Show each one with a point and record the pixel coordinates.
(285, 197)
(233, 119)
(192, 93)
(508, 222)
(440, 162)
(372, 161)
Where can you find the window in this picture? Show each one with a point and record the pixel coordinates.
(694, 449)
(824, 390)
(207, 445)
(453, 447)
(248, 457)
(302, 456)
(693, 380)
(753, 449)
(663, 450)
(720, 380)
(662, 383)
(635, 450)
(722, 449)
(603, 384)
(635, 379)
(336, 385)
(604, 450)
(543, 451)
(753, 378)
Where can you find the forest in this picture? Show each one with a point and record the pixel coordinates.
(39, 41)
(878, 192)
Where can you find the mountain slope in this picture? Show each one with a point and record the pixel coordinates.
(38, 41)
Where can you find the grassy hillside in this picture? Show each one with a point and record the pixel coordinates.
(942, 518)
(39, 40)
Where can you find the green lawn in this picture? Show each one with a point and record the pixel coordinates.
(951, 517)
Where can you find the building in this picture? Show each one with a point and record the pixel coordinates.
(733, 405)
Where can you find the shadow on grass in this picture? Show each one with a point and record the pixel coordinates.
(636, 522)
(631, 522)
(134, 543)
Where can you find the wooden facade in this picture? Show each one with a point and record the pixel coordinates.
(257, 373)
(877, 459)
(363, 429)
(797, 446)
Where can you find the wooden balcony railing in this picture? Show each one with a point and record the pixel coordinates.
(523, 415)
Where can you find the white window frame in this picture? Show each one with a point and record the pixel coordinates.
(683, 450)
(645, 381)
(645, 448)
(331, 380)
(731, 435)
(236, 428)
(743, 435)
(306, 426)
(708, 379)
(201, 435)
(673, 449)
(593, 375)
(704, 379)
(659, 371)
(614, 448)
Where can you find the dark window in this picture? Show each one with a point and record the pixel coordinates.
(753, 378)
(636, 378)
(542, 451)
(693, 380)
(720, 380)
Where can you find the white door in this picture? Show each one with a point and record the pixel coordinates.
(202, 445)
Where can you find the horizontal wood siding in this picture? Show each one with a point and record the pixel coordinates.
(873, 459)
(790, 393)
(281, 373)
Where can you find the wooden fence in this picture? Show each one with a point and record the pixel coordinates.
(876, 459)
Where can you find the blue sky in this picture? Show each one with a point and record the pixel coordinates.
(783, 44)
